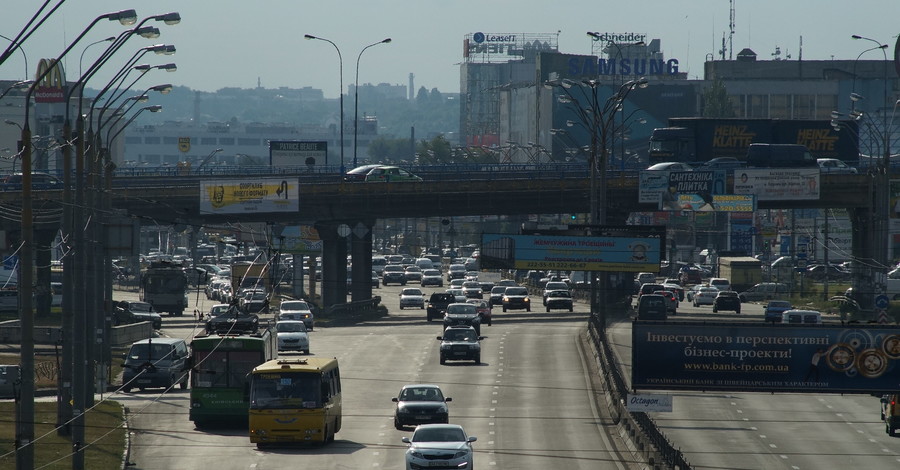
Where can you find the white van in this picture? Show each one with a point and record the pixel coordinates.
(804, 317)
(720, 283)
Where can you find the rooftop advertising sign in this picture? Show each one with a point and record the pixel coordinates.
(490, 47)
(297, 152)
(771, 358)
(577, 253)
(249, 196)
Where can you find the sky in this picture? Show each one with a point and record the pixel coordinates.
(241, 44)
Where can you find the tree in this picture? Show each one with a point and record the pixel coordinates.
(716, 102)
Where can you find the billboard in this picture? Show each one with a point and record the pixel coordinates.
(297, 153)
(571, 253)
(760, 357)
(299, 240)
(249, 195)
(778, 184)
(664, 187)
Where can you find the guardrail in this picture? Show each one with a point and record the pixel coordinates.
(649, 434)
(352, 310)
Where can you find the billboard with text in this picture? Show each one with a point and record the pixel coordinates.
(570, 253)
(762, 357)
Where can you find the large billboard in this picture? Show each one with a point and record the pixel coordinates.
(299, 240)
(249, 195)
(571, 253)
(778, 184)
(297, 153)
(762, 357)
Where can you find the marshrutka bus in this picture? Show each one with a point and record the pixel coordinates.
(295, 400)
(221, 372)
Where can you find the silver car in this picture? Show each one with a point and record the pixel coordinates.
(412, 297)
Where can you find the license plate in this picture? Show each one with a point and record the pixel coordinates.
(423, 417)
(459, 353)
(439, 463)
(144, 381)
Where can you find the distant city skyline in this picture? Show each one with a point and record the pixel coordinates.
(240, 47)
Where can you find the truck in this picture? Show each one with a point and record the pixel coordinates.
(250, 274)
(164, 284)
(696, 139)
(743, 271)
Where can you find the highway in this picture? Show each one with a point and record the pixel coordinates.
(529, 402)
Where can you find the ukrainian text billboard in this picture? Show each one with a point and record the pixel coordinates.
(780, 357)
(249, 195)
(578, 253)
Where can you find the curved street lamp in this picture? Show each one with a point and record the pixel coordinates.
(341, 71)
(356, 95)
(19, 47)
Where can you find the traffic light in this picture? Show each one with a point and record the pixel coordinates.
(766, 245)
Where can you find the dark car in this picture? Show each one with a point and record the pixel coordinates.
(559, 299)
(359, 173)
(255, 302)
(460, 343)
(516, 298)
(138, 311)
(496, 297)
(652, 307)
(775, 308)
(437, 304)
(727, 300)
(393, 274)
(233, 321)
(420, 404)
(39, 180)
(690, 275)
(462, 314)
(817, 272)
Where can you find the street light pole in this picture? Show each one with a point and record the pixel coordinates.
(356, 96)
(881, 223)
(341, 69)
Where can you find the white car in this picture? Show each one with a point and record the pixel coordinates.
(446, 443)
(298, 310)
(292, 336)
(432, 277)
(412, 297)
(705, 296)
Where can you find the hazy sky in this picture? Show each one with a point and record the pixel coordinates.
(231, 43)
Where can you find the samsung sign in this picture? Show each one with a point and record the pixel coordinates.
(589, 65)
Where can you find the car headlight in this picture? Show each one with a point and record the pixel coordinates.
(417, 454)
(460, 454)
(527, 299)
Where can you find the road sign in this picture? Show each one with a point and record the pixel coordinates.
(882, 302)
(882, 316)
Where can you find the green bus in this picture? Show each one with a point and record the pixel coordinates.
(220, 374)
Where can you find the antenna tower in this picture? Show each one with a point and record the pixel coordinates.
(731, 29)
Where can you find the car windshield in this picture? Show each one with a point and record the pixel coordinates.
(421, 394)
(516, 291)
(439, 434)
(460, 335)
(461, 309)
(431, 272)
(411, 292)
(140, 307)
(290, 327)
(779, 304)
(294, 305)
(560, 293)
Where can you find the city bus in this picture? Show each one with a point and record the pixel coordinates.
(220, 374)
(296, 400)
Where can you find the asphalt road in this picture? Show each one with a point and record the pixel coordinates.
(529, 402)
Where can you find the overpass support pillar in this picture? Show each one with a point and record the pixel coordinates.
(361, 253)
(334, 262)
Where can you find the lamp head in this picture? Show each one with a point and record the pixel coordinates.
(856, 97)
(142, 67)
(309, 36)
(170, 18)
(164, 89)
(125, 17)
(153, 109)
(856, 36)
(149, 32)
(386, 40)
(168, 67)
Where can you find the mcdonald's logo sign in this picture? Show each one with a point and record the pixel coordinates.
(51, 88)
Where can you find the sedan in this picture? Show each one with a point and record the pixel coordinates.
(775, 308)
(670, 166)
(292, 336)
(412, 297)
(359, 173)
(472, 289)
(705, 296)
(727, 300)
(390, 174)
(413, 274)
(420, 404)
(482, 308)
(516, 298)
(445, 443)
(559, 299)
(432, 277)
